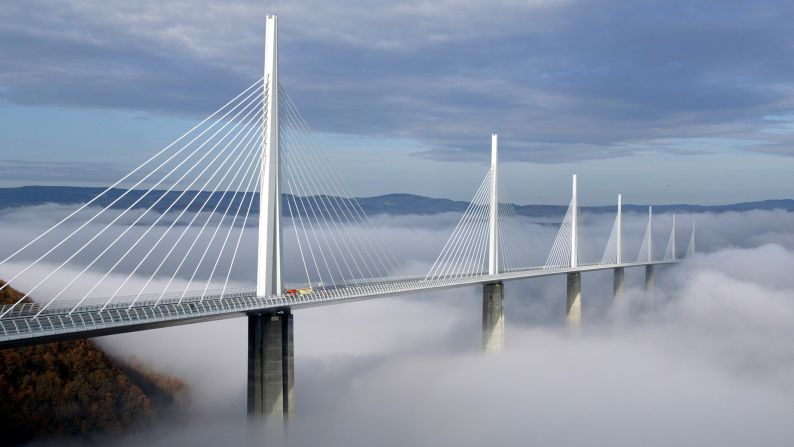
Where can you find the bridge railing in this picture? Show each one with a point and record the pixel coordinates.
(96, 319)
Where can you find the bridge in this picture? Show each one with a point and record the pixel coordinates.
(253, 177)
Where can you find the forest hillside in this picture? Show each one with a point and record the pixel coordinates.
(73, 389)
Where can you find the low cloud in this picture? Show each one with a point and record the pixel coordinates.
(710, 362)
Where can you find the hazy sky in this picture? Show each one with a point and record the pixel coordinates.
(664, 100)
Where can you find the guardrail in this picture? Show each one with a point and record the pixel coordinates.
(95, 319)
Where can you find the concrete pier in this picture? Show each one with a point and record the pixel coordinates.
(649, 286)
(619, 275)
(271, 367)
(649, 278)
(493, 318)
(618, 304)
(574, 304)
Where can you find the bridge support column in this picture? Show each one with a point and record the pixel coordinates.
(649, 283)
(618, 305)
(617, 284)
(574, 304)
(493, 318)
(271, 367)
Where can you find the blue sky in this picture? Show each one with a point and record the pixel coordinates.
(663, 100)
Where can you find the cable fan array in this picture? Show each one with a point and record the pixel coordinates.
(337, 243)
(170, 221)
(173, 228)
(611, 250)
(466, 251)
(646, 248)
(561, 251)
(669, 252)
(515, 245)
(560, 254)
(179, 226)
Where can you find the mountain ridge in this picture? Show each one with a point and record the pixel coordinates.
(393, 204)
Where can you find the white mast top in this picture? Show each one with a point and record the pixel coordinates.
(575, 227)
(268, 277)
(619, 248)
(493, 234)
(650, 233)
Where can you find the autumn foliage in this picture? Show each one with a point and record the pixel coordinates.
(73, 388)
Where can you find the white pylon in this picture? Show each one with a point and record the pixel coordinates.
(650, 233)
(574, 227)
(268, 277)
(619, 256)
(493, 234)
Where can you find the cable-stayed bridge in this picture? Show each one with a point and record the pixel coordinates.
(165, 245)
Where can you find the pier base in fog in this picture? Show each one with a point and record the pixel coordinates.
(574, 303)
(493, 318)
(649, 277)
(649, 286)
(271, 367)
(619, 275)
(618, 306)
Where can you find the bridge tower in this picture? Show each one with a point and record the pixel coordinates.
(493, 228)
(574, 283)
(574, 227)
(619, 273)
(268, 274)
(493, 293)
(650, 275)
(271, 357)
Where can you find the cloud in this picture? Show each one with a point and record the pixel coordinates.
(60, 172)
(564, 81)
(709, 363)
(134, 246)
(712, 365)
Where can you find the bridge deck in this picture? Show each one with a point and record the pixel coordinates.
(21, 327)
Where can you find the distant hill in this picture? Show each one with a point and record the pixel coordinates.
(73, 389)
(394, 204)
